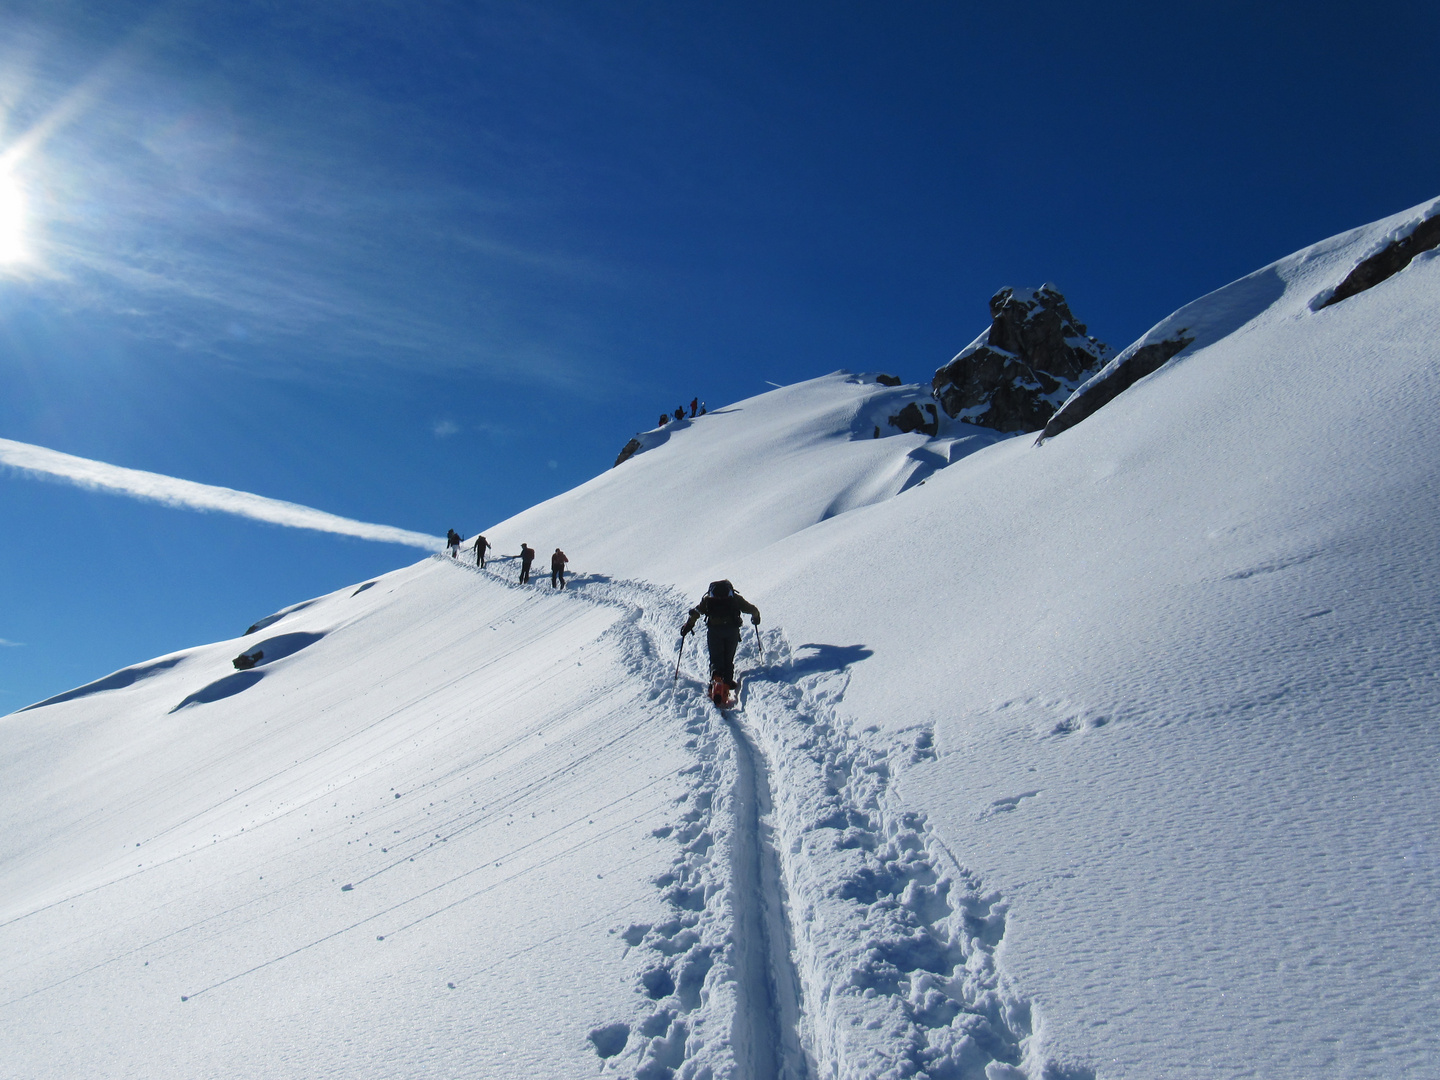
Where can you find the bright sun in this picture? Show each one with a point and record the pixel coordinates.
(12, 221)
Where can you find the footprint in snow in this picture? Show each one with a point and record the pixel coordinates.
(1005, 805)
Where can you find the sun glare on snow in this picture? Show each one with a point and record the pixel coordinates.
(12, 221)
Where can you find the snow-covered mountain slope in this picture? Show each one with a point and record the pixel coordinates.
(740, 478)
(1114, 756)
(1180, 664)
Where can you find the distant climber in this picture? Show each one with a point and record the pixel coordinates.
(557, 569)
(702, 408)
(452, 541)
(664, 419)
(481, 546)
(694, 404)
(527, 556)
(722, 607)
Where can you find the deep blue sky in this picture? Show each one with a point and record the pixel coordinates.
(426, 264)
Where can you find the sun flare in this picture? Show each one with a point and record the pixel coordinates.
(12, 221)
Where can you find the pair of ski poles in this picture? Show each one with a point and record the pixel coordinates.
(759, 647)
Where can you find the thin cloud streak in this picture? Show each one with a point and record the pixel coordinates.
(172, 491)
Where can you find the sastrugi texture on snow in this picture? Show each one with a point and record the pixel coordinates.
(1109, 759)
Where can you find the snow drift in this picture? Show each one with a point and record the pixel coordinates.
(1113, 756)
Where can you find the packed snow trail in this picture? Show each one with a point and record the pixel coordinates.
(762, 936)
(716, 989)
(823, 917)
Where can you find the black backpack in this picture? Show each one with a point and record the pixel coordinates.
(723, 606)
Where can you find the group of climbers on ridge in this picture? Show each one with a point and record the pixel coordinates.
(558, 560)
(722, 607)
(697, 408)
(557, 566)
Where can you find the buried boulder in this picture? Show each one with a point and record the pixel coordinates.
(1015, 375)
(910, 418)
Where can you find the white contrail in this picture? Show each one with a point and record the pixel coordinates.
(172, 491)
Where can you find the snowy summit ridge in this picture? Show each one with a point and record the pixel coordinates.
(1065, 761)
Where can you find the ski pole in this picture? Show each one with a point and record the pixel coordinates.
(681, 653)
(758, 646)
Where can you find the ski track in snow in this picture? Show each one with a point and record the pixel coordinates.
(815, 927)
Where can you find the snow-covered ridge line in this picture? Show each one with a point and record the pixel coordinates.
(1315, 277)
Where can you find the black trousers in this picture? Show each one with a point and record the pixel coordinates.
(557, 577)
(723, 641)
(524, 573)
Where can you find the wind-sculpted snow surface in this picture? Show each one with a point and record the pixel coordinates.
(896, 941)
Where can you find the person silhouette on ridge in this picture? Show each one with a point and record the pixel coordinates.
(481, 546)
(557, 569)
(527, 556)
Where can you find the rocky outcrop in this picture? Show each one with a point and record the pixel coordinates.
(1389, 260)
(1125, 371)
(910, 418)
(1015, 375)
(888, 380)
(627, 451)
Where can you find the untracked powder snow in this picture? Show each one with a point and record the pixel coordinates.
(1109, 757)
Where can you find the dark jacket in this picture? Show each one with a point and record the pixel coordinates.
(722, 611)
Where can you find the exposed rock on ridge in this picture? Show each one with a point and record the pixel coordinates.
(627, 452)
(1388, 261)
(1128, 369)
(1015, 375)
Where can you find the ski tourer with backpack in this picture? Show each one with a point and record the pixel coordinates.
(723, 609)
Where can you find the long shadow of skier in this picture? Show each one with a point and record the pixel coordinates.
(821, 658)
(827, 658)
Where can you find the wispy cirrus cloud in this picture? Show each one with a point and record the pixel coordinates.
(172, 491)
(11, 644)
(201, 214)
